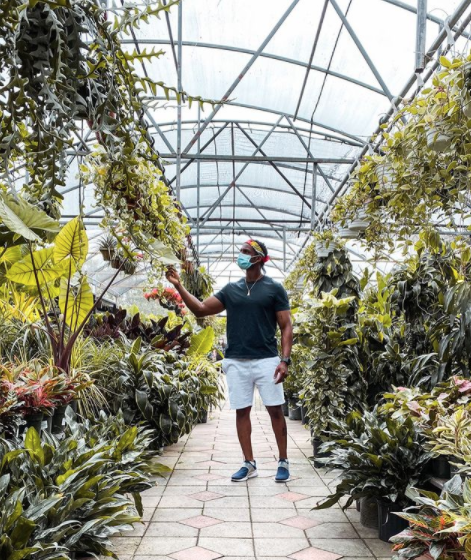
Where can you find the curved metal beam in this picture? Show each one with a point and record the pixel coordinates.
(264, 55)
(325, 136)
(274, 189)
(269, 208)
(274, 112)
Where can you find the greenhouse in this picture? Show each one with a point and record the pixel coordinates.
(235, 279)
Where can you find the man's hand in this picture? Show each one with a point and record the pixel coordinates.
(172, 276)
(281, 372)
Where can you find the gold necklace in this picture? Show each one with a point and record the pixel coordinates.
(250, 289)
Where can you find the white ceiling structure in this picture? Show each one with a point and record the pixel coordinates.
(304, 84)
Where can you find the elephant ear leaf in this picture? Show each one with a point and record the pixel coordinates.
(71, 241)
(24, 220)
(23, 271)
(201, 343)
(75, 301)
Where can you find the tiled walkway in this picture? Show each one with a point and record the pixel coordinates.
(199, 514)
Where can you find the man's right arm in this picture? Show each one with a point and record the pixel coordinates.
(210, 306)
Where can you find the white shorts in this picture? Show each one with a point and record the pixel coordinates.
(242, 377)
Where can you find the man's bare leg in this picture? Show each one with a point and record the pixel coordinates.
(244, 431)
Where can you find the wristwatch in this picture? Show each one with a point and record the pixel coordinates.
(286, 360)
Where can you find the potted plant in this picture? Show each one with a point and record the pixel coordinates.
(108, 247)
(451, 438)
(439, 526)
(325, 244)
(379, 458)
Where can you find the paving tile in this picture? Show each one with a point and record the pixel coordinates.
(225, 547)
(231, 502)
(164, 545)
(138, 530)
(201, 521)
(324, 515)
(214, 464)
(266, 515)
(150, 501)
(125, 545)
(230, 490)
(300, 522)
(206, 496)
(196, 553)
(279, 547)
(183, 490)
(312, 553)
(226, 514)
(379, 548)
(332, 531)
(208, 476)
(170, 529)
(146, 557)
(179, 502)
(365, 532)
(161, 514)
(292, 496)
(270, 503)
(229, 530)
(276, 531)
(344, 547)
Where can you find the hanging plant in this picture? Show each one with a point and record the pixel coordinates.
(422, 173)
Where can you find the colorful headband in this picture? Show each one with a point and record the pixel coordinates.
(258, 250)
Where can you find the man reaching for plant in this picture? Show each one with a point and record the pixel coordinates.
(255, 305)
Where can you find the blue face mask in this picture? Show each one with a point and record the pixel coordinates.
(243, 261)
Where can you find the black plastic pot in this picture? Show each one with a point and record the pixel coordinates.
(35, 421)
(316, 443)
(294, 410)
(58, 419)
(203, 417)
(389, 523)
(358, 504)
(440, 467)
(304, 417)
(285, 408)
(369, 513)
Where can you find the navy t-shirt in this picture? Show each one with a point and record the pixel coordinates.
(251, 320)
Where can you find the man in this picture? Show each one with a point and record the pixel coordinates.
(255, 305)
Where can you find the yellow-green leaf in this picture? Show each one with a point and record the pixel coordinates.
(71, 241)
(23, 271)
(75, 302)
(201, 343)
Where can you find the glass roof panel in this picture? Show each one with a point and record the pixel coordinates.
(341, 104)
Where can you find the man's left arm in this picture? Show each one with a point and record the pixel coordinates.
(286, 327)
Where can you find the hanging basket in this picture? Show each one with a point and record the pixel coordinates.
(438, 141)
(348, 233)
(324, 248)
(360, 223)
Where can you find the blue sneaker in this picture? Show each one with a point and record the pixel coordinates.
(282, 474)
(246, 471)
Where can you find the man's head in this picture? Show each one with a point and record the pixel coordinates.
(257, 251)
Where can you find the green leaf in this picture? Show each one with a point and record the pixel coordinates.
(33, 444)
(24, 219)
(201, 343)
(75, 302)
(71, 241)
(163, 253)
(22, 272)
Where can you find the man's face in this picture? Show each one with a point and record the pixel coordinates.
(247, 249)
